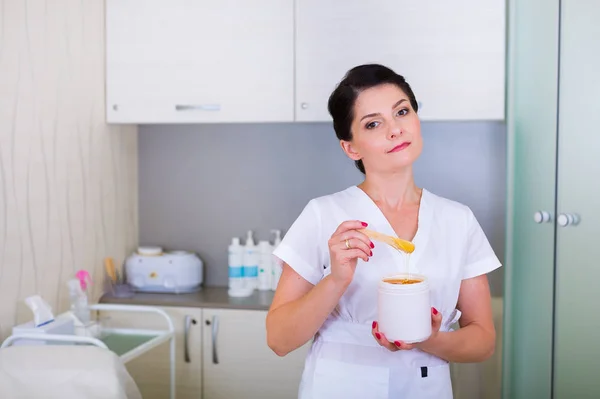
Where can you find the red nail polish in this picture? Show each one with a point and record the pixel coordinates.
(374, 325)
(397, 343)
(371, 253)
(372, 245)
(364, 224)
(435, 311)
(378, 335)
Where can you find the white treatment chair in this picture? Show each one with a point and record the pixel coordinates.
(64, 371)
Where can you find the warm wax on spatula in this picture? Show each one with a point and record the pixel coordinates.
(398, 243)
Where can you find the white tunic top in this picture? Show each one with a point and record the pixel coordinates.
(345, 361)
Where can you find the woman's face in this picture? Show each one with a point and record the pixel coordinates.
(386, 131)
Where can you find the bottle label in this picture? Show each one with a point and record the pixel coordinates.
(250, 271)
(236, 271)
(235, 259)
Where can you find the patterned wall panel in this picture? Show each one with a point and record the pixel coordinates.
(68, 181)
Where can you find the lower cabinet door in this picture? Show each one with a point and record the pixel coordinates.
(239, 364)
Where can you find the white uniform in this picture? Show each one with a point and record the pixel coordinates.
(345, 361)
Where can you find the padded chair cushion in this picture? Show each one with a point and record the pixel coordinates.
(64, 371)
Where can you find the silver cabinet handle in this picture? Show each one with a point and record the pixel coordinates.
(214, 332)
(198, 107)
(568, 219)
(542, 217)
(188, 321)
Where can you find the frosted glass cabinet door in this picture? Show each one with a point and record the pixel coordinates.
(532, 111)
(577, 345)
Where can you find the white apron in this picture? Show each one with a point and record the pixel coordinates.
(345, 361)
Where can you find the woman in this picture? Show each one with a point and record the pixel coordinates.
(328, 286)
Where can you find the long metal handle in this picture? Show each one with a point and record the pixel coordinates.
(188, 321)
(215, 331)
(55, 338)
(133, 308)
(197, 107)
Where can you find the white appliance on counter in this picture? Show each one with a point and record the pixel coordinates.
(150, 269)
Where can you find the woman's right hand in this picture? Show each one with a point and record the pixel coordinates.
(346, 245)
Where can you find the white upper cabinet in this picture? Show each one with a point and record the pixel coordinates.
(201, 61)
(187, 61)
(451, 53)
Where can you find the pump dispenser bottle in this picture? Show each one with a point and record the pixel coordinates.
(250, 262)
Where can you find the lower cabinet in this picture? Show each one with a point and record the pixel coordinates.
(239, 364)
(220, 353)
(223, 354)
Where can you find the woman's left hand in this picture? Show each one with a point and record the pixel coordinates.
(436, 322)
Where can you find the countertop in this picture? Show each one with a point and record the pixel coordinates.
(207, 297)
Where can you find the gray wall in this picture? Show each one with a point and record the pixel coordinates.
(200, 185)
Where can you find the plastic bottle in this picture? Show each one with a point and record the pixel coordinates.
(264, 265)
(250, 263)
(237, 284)
(275, 268)
(78, 295)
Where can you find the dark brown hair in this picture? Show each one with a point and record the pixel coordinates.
(342, 99)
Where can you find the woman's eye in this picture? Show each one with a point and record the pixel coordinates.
(403, 111)
(372, 125)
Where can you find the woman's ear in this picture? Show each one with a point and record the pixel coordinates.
(350, 150)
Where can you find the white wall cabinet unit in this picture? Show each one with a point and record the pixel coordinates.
(451, 53)
(239, 364)
(195, 61)
(151, 370)
(201, 61)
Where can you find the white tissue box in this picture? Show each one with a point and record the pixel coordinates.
(60, 325)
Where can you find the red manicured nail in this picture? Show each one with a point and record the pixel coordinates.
(397, 343)
(371, 253)
(374, 325)
(364, 224)
(378, 335)
(435, 311)
(372, 245)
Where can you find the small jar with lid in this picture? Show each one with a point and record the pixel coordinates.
(404, 308)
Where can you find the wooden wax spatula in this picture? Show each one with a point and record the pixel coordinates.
(398, 243)
(109, 265)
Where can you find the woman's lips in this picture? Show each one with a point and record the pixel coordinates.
(399, 147)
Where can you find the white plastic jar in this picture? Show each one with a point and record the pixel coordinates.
(404, 310)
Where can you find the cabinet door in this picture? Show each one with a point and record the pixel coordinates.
(577, 352)
(150, 371)
(532, 131)
(183, 61)
(239, 364)
(452, 54)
